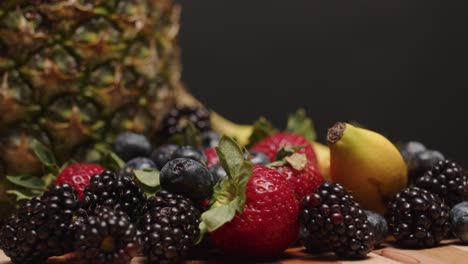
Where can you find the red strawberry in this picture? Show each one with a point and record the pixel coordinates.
(269, 223)
(211, 157)
(78, 175)
(272, 144)
(304, 181)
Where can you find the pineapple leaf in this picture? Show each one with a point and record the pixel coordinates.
(262, 129)
(299, 123)
(28, 182)
(148, 177)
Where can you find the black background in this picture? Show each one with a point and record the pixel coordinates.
(397, 67)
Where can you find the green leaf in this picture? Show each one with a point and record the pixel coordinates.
(107, 158)
(262, 129)
(28, 182)
(150, 191)
(218, 216)
(24, 194)
(48, 179)
(148, 177)
(231, 156)
(229, 194)
(44, 155)
(299, 123)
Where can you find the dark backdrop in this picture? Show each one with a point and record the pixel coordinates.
(398, 67)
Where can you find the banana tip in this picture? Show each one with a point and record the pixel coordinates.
(335, 133)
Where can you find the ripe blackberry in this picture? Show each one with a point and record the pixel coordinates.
(335, 221)
(176, 120)
(169, 228)
(41, 227)
(117, 192)
(448, 180)
(108, 236)
(418, 218)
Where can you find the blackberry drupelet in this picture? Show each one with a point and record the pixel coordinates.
(106, 237)
(448, 180)
(418, 218)
(169, 228)
(176, 120)
(335, 221)
(41, 227)
(117, 192)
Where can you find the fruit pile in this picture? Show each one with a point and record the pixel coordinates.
(200, 192)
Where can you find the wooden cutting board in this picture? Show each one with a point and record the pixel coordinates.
(450, 251)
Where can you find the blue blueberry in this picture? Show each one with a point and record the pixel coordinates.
(163, 154)
(218, 172)
(187, 177)
(209, 139)
(409, 149)
(459, 221)
(139, 163)
(129, 145)
(259, 158)
(378, 226)
(189, 152)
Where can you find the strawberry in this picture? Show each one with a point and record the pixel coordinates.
(305, 179)
(255, 210)
(78, 175)
(211, 157)
(272, 144)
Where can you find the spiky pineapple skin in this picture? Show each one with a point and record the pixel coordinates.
(75, 73)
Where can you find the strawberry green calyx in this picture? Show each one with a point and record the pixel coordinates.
(229, 194)
(299, 123)
(290, 156)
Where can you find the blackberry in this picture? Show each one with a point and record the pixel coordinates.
(107, 236)
(41, 227)
(334, 221)
(169, 228)
(116, 192)
(448, 180)
(176, 120)
(418, 218)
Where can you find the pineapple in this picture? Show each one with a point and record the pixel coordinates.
(74, 73)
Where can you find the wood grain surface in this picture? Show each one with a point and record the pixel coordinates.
(450, 251)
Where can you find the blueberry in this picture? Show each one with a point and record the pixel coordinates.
(187, 177)
(217, 171)
(140, 163)
(163, 154)
(189, 152)
(129, 145)
(422, 162)
(378, 226)
(409, 149)
(209, 139)
(259, 158)
(459, 221)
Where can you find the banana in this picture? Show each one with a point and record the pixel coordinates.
(323, 158)
(367, 163)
